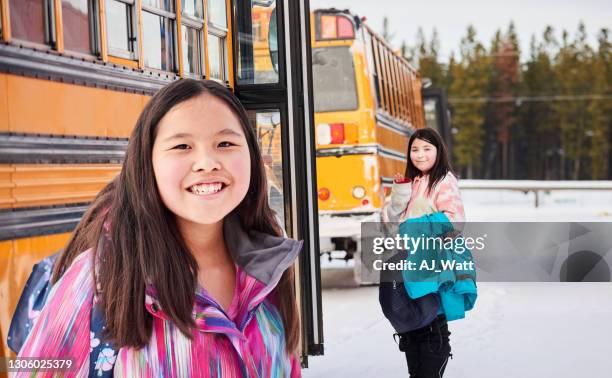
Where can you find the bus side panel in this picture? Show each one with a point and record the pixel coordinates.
(24, 185)
(4, 113)
(47, 107)
(390, 166)
(392, 140)
(16, 260)
(6, 186)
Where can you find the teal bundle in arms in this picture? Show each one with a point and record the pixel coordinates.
(438, 262)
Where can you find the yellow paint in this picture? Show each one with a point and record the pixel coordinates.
(59, 27)
(6, 25)
(179, 38)
(125, 62)
(102, 20)
(140, 36)
(17, 257)
(341, 175)
(47, 107)
(228, 43)
(4, 112)
(206, 65)
(27, 185)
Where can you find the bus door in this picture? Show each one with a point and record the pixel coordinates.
(272, 78)
(437, 114)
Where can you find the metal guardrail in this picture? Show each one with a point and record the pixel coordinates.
(534, 186)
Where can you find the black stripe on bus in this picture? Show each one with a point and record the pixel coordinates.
(361, 150)
(28, 62)
(40, 221)
(49, 149)
(393, 125)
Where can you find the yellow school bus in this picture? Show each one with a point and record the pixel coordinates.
(367, 102)
(74, 77)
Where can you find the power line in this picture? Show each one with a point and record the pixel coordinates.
(520, 99)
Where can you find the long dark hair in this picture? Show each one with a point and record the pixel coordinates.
(145, 242)
(441, 167)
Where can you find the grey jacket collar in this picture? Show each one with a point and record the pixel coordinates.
(263, 256)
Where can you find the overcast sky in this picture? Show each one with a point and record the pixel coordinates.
(451, 17)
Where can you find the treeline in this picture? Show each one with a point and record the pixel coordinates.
(549, 118)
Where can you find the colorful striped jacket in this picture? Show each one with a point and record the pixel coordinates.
(246, 341)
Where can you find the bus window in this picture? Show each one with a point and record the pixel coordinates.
(31, 20)
(216, 57)
(121, 28)
(267, 125)
(192, 22)
(192, 51)
(333, 75)
(258, 44)
(217, 35)
(158, 34)
(217, 13)
(79, 24)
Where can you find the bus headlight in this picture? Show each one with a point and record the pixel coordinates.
(358, 192)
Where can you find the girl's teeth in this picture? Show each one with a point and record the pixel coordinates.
(203, 189)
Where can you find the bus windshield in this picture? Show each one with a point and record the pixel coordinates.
(333, 75)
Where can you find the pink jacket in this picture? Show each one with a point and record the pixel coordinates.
(246, 341)
(411, 200)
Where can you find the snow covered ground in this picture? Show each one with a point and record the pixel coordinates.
(557, 330)
(522, 330)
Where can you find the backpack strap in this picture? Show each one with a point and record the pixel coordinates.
(31, 302)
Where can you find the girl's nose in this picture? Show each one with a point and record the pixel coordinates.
(206, 161)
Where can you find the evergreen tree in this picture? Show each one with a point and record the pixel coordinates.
(573, 76)
(538, 124)
(600, 110)
(429, 65)
(469, 81)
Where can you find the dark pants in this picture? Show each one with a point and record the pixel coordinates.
(427, 349)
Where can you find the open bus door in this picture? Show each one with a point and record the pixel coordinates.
(437, 114)
(272, 75)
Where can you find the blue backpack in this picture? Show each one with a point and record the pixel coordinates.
(33, 298)
(404, 313)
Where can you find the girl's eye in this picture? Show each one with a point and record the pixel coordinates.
(180, 147)
(226, 144)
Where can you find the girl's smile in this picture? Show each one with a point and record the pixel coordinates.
(208, 187)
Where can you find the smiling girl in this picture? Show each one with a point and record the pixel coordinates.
(187, 273)
(427, 187)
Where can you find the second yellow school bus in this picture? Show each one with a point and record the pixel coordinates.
(367, 102)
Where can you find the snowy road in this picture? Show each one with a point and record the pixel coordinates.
(526, 330)
(560, 330)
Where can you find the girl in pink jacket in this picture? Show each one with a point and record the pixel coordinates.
(428, 187)
(185, 272)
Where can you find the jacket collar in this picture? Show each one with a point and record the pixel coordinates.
(261, 259)
(421, 178)
(260, 255)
